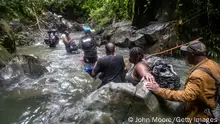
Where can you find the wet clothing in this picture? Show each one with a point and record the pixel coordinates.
(70, 47)
(130, 76)
(88, 45)
(90, 59)
(111, 68)
(199, 90)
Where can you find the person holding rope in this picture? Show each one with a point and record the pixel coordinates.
(200, 91)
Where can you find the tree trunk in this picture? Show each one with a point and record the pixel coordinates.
(157, 10)
(139, 20)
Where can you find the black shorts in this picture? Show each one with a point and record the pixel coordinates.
(90, 59)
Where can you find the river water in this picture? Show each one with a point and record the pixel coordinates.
(36, 101)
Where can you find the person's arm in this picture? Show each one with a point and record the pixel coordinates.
(96, 69)
(190, 92)
(80, 43)
(143, 72)
(64, 38)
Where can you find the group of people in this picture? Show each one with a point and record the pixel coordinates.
(201, 90)
(87, 43)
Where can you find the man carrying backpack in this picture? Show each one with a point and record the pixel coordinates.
(89, 46)
(201, 91)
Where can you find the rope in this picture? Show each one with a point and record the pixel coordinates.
(158, 53)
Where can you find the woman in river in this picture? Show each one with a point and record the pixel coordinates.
(153, 69)
(139, 71)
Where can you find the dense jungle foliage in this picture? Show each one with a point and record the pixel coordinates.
(196, 18)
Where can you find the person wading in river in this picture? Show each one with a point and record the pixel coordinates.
(199, 92)
(111, 66)
(89, 47)
(153, 68)
(69, 42)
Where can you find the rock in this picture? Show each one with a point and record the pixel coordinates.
(5, 57)
(111, 105)
(121, 35)
(7, 38)
(153, 38)
(21, 65)
(61, 24)
(16, 25)
(162, 36)
(26, 38)
(77, 26)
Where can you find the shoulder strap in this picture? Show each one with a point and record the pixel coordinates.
(217, 83)
(210, 73)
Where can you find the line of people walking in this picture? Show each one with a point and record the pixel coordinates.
(201, 92)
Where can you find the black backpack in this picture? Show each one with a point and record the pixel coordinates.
(163, 72)
(215, 113)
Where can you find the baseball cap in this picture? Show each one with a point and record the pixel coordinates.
(196, 48)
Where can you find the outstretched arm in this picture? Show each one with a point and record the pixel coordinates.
(143, 72)
(190, 92)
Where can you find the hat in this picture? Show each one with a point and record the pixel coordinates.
(87, 29)
(196, 48)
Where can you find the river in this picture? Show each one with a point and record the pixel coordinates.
(35, 101)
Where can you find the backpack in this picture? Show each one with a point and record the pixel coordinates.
(73, 46)
(163, 73)
(88, 43)
(215, 113)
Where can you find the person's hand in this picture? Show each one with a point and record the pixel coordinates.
(153, 86)
(149, 77)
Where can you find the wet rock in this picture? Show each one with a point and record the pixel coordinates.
(109, 31)
(5, 57)
(121, 35)
(7, 38)
(155, 37)
(162, 36)
(61, 24)
(115, 102)
(16, 25)
(19, 66)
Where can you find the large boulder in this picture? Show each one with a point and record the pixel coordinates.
(153, 38)
(115, 103)
(19, 66)
(52, 20)
(162, 36)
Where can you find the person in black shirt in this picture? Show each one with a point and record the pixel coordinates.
(89, 47)
(111, 66)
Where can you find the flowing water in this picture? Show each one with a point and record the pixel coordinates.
(35, 101)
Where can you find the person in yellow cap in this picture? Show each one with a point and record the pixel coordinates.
(199, 92)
